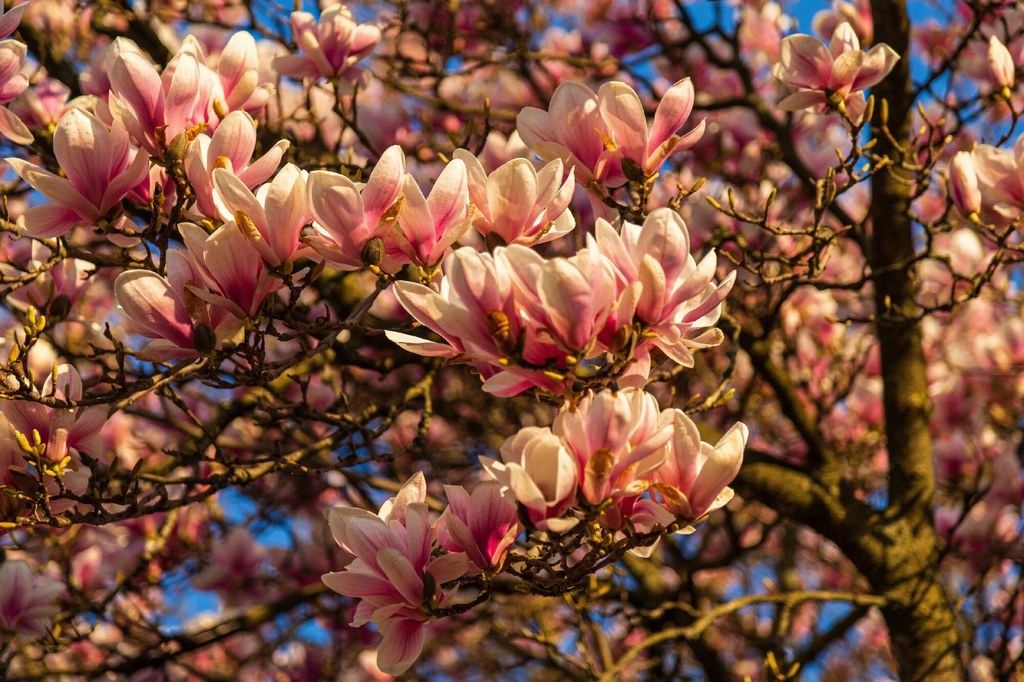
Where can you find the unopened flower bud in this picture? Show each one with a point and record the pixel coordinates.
(205, 339)
(632, 170)
(373, 251)
(176, 147)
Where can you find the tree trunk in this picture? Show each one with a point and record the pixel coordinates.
(921, 622)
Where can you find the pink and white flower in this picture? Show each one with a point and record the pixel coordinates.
(389, 575)
(12, 83)
(541, 474)
(348, 215)
(169, 312)
(230, 147)
(832, 77)
(94, 184)
(693, 480)
(617, 440)
(27, 606)
(428, 226)
(331, 47)
(519, 204)
(483, 524)
(273, 218)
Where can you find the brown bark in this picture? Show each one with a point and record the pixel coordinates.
(921, 622)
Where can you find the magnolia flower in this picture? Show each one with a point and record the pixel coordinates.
(331, 47)
(989, 181)
(567, 300)
(229, 148)
(572, 130)
(482, 524)
(12, 83)
(26, 608)
(238, 70)
(540, 472)
(428, 226)
(831, 77)
(230, 268)
(617, 441)
(476, 314)
(694, 477)
(42, 106)
(390, 572)
(1001, 64)
(963, 184)
(169, 312)
(621, 110)
(61, 429)
(677, 299)
(273, 218)
(517, 203)
(158, 107)
(94, 183)
(348, 215)
(594, 132)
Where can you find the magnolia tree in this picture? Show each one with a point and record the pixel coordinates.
(433, 339)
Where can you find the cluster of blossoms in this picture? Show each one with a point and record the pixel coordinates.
(583, 329)
(220, 228)
(641, 470)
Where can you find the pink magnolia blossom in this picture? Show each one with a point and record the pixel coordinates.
(572, 130)
(482, 524)
(389, 574)
(593, 132)
(567, 301)
(519, 204)
(678, 300)
(476, 313)
(856, 13)
(63, 430)
(273, 218)
(541, 474)
(230, 147)
(10, 19)
(1001, 65)
(331, 47)
(95, 79)
(834, 76)
(989, 181)
(157, 107)
(42, 106)
(238, 70)
(694, 477)
(617, 440)
(623, 112)
(26, 606)
(347, 215)
(69, 279)
(963, 184)
(169, 312)
(94, 183)
(12, 83)
(231, 269)
(428, 226)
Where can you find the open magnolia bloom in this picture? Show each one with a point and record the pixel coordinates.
(832, 77)
(93, 184)
(593, 133)
(393, 574)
